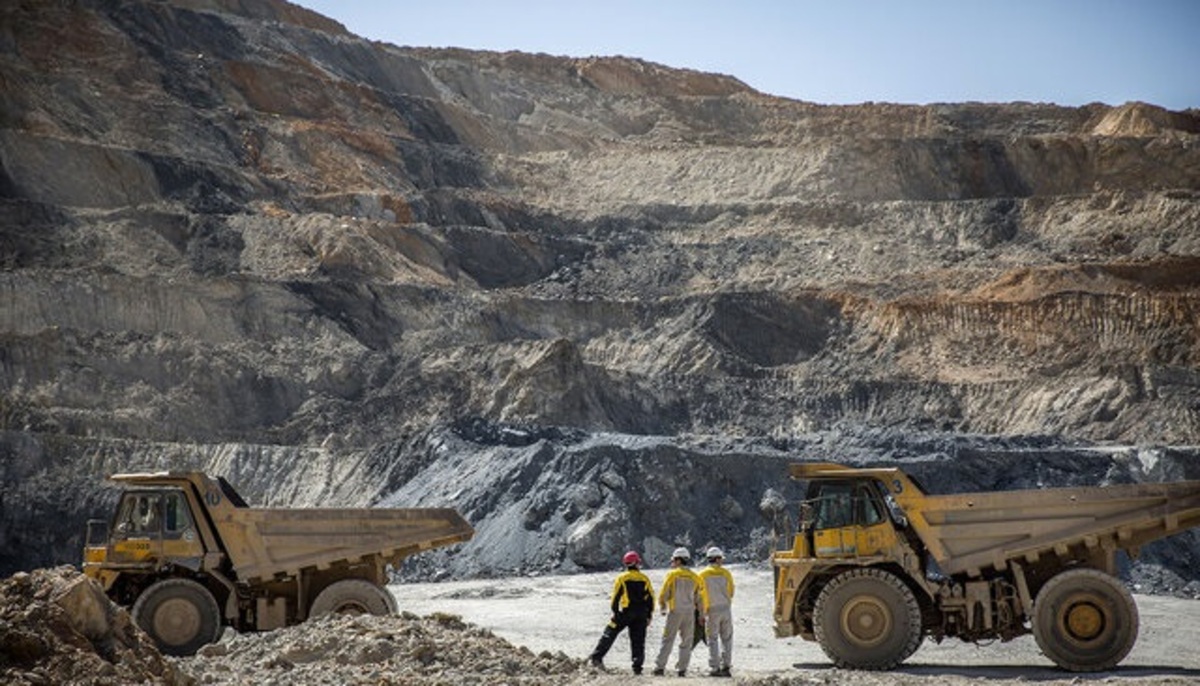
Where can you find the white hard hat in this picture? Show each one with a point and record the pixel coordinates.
(714, 552)
(681, 553)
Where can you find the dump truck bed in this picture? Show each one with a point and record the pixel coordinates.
(264, 542)
(967, 532)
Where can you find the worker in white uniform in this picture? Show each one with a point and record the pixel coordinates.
(718, 612)
(680, 597)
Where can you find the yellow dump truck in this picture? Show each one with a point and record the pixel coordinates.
(190, 557)
(877, 564)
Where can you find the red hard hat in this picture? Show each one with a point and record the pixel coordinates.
(632, 558)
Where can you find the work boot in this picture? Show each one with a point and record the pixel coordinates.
(682, 672)
(725, 671)
(658, 671)
(716, 672)
(597, 663)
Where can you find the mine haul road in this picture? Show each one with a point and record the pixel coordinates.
(567, 613)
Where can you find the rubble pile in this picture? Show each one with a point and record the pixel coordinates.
(57, 627)
(404, 649)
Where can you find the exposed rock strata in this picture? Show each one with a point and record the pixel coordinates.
(232, 228)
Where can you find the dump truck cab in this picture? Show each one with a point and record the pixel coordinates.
(158, 522)
(847, 518)
(190, 557)
(149, 525)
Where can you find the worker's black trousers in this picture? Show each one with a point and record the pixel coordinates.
(637, 638)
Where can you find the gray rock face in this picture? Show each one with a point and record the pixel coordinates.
(235, 236)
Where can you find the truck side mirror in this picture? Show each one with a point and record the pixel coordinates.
(893, 507)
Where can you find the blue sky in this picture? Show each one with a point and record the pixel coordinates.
(1069, 52)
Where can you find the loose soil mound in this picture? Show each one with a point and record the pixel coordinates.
(406, 649)
(57, 627)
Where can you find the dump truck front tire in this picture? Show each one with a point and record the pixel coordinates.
(180, 615)
(1085, 620)
(867, 619)
(353, 596)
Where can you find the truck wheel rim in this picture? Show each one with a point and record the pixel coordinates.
(1084, 621)
(865, 620)
(352, 607)
(176, 621)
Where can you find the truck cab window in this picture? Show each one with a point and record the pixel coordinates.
(177, 517)
(868, 509)
(832, 505)
(837, 504)
(140, 515)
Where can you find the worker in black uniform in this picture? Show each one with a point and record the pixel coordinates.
(632, 607)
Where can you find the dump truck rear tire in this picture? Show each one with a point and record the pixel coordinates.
(180, 615)
(1085, 620)
(353, 596)
(867, 619)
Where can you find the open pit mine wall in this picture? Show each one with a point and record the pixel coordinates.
(251, 226)
(351, 363)
(234, 236)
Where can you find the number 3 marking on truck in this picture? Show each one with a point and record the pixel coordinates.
(897, 487)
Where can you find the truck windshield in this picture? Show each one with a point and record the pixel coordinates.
(154, 514)
(139, 514)
(836, 504)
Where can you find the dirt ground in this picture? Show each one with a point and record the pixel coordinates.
(57, 627)
(567, 613)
